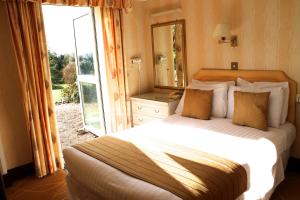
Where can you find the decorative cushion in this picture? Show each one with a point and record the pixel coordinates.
(275, 102)
(219, 104)
(286, 93)
(251, 109)
(197, 104)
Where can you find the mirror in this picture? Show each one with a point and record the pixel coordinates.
(169, 58)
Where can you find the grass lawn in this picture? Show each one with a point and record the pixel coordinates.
(56, 91)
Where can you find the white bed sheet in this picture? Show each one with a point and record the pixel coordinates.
(258, 151)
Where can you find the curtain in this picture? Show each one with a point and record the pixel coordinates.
(3, 168)
(179, 55)
(115, 4)
(26, 24)
(116, 72)
(28, 38)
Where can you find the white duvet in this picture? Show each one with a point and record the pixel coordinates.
(258, 151)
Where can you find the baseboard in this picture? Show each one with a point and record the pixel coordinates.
(294, 164)
(18, 173)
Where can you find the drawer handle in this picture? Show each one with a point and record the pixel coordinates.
(156, 111)
(139, 107)
(140, 119)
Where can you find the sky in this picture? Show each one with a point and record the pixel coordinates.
(58, 21)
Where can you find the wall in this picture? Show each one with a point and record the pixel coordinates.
(14, 139)
(134, 45)
(268, 35)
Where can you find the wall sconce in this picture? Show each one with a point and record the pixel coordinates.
(136, 60)
(222, 32)
(159, 59)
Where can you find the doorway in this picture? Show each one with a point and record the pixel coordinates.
(88, 75)
(75, 74)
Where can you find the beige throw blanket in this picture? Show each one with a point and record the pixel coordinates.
(185, 172)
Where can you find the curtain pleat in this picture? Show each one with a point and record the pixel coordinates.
(115, 4)
(26, 24)
(116, 72)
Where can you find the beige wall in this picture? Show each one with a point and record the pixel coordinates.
(268, 35)
(13, 137)
(135, 45)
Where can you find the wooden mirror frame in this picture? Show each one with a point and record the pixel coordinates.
(184, 67)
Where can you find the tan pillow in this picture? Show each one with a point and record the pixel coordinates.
(197, 104)
(251, 109)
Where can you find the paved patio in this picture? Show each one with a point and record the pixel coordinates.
(69, 121)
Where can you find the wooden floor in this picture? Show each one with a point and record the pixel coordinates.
(54, 188)
(289, 189)
(49, 188)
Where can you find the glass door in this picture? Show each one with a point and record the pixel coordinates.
(88, 76)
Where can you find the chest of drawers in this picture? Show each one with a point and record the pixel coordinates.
(152, 106)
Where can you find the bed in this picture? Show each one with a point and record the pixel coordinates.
(263, 154)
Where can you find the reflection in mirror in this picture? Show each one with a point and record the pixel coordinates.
(169, 54)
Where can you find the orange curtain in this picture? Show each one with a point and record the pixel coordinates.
(116, 73)
(115, 4)
(26, 24)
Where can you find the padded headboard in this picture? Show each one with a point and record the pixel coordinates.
(253, 76)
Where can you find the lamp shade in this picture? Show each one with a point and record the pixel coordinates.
(222, 30)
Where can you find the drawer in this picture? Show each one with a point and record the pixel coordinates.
(142, 119)
(155, 110)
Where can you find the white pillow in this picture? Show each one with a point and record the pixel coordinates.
(275, 102)
(242, 82)
(286, 93)
(219, 106)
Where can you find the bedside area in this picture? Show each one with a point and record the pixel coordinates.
(152, 106)
(169, 74)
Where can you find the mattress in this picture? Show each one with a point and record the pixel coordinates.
(259, 152)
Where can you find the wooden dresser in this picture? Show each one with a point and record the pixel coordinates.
(152, 106)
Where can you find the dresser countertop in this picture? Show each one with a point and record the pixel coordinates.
(155, 96)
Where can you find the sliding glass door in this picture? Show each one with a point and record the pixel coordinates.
(88, 76)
